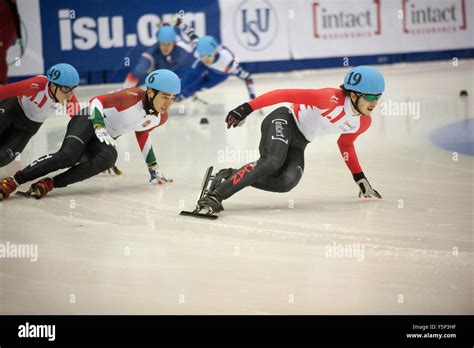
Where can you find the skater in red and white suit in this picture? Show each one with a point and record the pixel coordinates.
(25, 106)
(287, 130)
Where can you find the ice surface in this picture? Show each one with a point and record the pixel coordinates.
(117, 245)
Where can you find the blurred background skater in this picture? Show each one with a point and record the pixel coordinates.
(215, 64)
(168, 53)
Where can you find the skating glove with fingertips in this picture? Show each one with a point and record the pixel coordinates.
(365, 189)
(104, 136)
(156, 176)
(234, 117)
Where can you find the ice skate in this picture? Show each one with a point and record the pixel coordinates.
(7, 187)
(205, 202)
(211, 202)
(221, 176)
(39, 189)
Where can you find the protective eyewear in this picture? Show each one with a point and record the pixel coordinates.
(66, 89)
(371, 97)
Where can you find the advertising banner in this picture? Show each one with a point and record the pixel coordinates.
(111, 35)
(335, 28)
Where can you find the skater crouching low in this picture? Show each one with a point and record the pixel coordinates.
(287, 130)
(94, 135)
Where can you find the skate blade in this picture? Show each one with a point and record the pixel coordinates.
(199, 215)
(26, 194)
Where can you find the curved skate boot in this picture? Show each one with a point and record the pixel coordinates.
(221, 176)
(7, 187)
(40, 188)
(212, 202)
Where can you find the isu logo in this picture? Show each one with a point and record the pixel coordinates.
(427, 16)
(239, 175)
(108, 32)
(346, 19)
(255, 24)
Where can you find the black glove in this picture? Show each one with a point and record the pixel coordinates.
(366, 190)
(234, 117)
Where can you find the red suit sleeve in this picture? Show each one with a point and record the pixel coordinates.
(316, 97)
(346, 145)
(28, 87)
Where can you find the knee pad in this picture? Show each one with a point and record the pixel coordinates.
(271, 164)
(6, 157)
(4, 160)
(291, 179)
(68, 157)
(107, 158)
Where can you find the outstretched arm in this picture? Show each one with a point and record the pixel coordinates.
(244, 75)
(186, 30)
(316, 97)
(298, 96)
(348, 152)
(146, 147)
(28, 87)
(192, 81)
(145, 65)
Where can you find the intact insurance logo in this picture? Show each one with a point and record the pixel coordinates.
(342, 19)
(255, 24)
(433, 16)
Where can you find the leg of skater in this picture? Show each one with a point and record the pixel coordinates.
(101, 157)
(274, 145)
(7, 114)
(78, 135)
(15, 143)
(287, 177)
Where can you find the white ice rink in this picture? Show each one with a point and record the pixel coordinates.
(116, 245)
